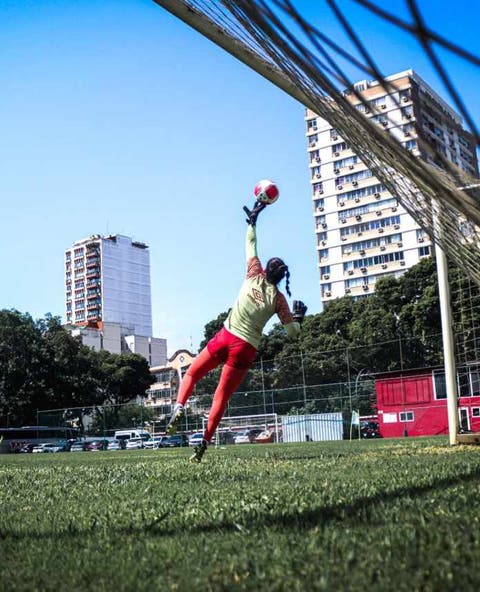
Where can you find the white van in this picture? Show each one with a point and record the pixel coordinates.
(132, 433)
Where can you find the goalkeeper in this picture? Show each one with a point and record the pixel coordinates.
(236, 344)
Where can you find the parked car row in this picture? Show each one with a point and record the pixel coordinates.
(137, 443)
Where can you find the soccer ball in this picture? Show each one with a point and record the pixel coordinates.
(266, 192)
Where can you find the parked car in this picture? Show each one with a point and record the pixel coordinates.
(265, 437)
(134, 444)
(27, 448)
(176, 441)
(247, 436)
(369, 429)
(97, 445)
(115, 445)
(195, 439)
(154, 443)
(49, 447)
(78, 447)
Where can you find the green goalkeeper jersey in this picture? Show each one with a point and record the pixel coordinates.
(257, 301)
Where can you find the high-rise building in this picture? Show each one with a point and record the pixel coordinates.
(363, 233)
(107, 279)
(108, 296)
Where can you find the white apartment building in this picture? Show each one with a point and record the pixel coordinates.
(363, 233)
(108, 296)
(107, 279)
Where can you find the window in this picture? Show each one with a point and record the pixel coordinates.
(406, 416)
(325, 269)
(424, 251)
(475, 411)
(366, 209)
(323, 254)
(366, 226)
(439, 384)
(339, 147)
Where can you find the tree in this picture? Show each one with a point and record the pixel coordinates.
(23, 368)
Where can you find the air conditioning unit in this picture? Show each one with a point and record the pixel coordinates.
(351, 166)
(350, 272)
(341, 203)
(379, 212)
(358, 218)
(314, 127)
(343, 220)
(362, 251)
(355, 183)
(396, 226)
(323, 243)
(400, 244)
(421, 240)
(318, 175)
(318, 159)
(380, 230)
(409, 116)
(367, 110)
(336, 154)
(336, 171)
(357, 199)
(384, 266)
(406, 134)
(312, 144)
(394, 209)
(376, 195)
(382, 248)
(363, 270)
(405, 99)
(384, 106)
(326, 276)
(324, 225)
(365, 287)
(359, 233)
(402, 262)
(347, 290)
(320, 209)
(320, 191)
(384, 123)
(334, 137)
(340, 187)
(344, 238)
(328, 294)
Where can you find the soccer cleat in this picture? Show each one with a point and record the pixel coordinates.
(178, 413)
(199, 451)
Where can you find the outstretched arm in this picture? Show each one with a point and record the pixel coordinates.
(251, 243)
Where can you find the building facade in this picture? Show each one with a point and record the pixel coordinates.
(162, 394)
(108, 296)
(107, 279)
(362, 231)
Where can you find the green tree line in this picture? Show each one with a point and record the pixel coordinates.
(42, 366)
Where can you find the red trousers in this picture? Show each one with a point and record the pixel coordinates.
(237, 356)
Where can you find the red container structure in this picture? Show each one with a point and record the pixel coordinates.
(414, 403)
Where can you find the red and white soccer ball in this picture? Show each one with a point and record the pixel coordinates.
(266, 192)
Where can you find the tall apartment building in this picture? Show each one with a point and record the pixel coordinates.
(363, 232)
(108, 296)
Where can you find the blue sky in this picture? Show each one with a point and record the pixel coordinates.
(117, 118)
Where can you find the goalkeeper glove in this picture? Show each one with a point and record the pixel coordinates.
(252, 214)
(299, 310)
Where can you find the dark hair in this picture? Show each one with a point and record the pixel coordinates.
(276, 270)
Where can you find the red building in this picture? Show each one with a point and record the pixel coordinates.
(414, 403)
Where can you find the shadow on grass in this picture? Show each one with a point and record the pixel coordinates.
(360, 511)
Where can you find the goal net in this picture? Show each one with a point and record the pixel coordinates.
(229, 427)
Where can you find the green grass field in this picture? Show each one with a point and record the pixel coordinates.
(373, 515)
